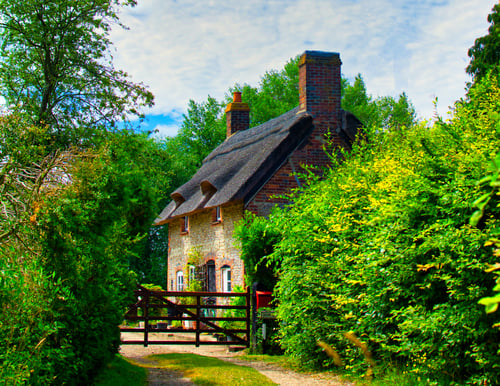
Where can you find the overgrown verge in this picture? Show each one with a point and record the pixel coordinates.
(121, 372)
(383, 248)
(71, 221)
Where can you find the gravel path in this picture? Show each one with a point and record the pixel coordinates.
(160, 376)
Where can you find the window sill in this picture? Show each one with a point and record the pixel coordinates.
(216, 222)
(183, 233)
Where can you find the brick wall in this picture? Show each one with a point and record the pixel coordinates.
(320, 88)
(319, 94)
(213, 241)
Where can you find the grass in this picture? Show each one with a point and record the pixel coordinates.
(388, 377)
(281, 360)
(211, 371)
(214, 372)
(120, 372)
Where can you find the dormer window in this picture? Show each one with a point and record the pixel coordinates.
(216, 215)
(184, 224)
(207, 189)
(178, 198)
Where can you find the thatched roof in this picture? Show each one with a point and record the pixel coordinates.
(240, 166)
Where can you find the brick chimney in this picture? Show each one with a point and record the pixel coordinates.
(237, 115)
(319, 88)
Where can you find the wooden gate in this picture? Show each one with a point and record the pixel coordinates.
(198, 313)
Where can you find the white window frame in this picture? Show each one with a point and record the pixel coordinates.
(226, 278)
(180, 281)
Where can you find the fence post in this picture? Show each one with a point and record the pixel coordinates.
(198, 304)
(247, 314)
(254, 317)
(146, 319)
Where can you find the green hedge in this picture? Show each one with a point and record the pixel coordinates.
(383, 248)
(64, 274)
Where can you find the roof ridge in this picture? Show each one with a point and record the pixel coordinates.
(254, 134)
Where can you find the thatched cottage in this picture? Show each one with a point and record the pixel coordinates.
(250, 167)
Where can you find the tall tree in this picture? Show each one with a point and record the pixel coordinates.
(382, 112)
(277, 93)
(203, 128)
(71, 220)
(485, 53)
(56, 67)
(71, 223)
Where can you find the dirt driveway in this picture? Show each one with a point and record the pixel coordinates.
(160, 376)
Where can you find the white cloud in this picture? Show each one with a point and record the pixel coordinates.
(439, 56)
(189, 49)
(163, 131)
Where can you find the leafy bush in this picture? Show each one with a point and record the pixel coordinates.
(64, 272)
(383, 247)
(488, 206)
(257, 237)
(88, 233)
(235, 301)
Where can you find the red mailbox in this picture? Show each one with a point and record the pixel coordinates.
(264, 298)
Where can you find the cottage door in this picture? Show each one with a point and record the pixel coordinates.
(211, 276)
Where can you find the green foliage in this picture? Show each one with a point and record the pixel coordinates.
(383, 112)
(257, 237)
(277, 93)
(88, 233)
(491, 302)
(235, 301)
(151, 264)
(485, 53)
(28, 318)
(121, 372)
(74, 223)
(383, 247)
(488, 207)
(56, 68)
(203, 129)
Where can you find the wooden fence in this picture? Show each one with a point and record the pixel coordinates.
(197, 312)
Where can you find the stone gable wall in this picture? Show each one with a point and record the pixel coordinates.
(212, 241)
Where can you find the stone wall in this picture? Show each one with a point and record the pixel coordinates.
(213, 241)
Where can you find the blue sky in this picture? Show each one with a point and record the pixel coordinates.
(189, 49)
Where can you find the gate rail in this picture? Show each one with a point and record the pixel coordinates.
(203, 315)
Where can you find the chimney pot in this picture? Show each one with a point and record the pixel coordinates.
(237, 115)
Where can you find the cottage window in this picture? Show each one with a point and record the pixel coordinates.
(216, 215)
(185, 224)
(180, 281)
(226, 278)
